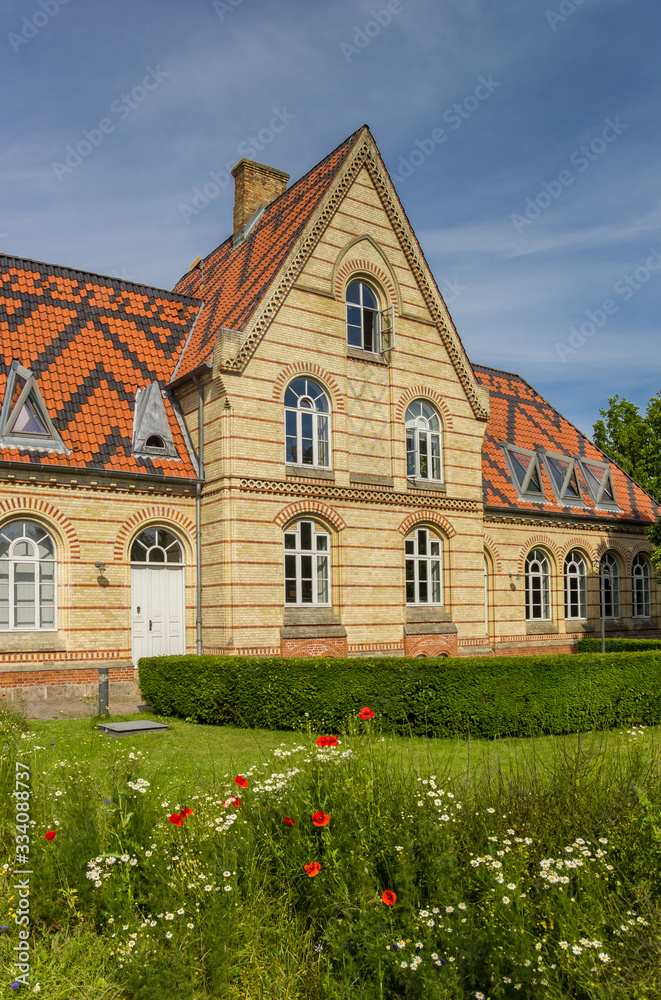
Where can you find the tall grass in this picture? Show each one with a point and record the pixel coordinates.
(539, 879)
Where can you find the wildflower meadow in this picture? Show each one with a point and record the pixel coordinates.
(334, 868)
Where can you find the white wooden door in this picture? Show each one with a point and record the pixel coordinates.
(157, 599)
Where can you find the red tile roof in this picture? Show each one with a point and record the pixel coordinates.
(91, 342)
(521, 417)
(236, 279)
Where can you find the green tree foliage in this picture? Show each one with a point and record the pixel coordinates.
(633, 440)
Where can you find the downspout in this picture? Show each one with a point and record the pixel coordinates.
(198, 509)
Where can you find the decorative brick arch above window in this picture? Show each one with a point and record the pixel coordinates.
(422, 392)
(311, 509)
(314, 371)
(49, 516)
(354, 264)
(426, 517)
(543, 542)
(165, 516)
(586, 550)
(492, 550)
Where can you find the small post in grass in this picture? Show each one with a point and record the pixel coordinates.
(103, 693)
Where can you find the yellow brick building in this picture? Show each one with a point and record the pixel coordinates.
(290, 454)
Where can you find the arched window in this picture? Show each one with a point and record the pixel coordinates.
(27, 577)
(424, 577)
(575, 587)
(156, 545)
(307, 564)
(640, 578)
(423, 441)
(307, 420)
(609, 586)
(538, 577)
(363, 326)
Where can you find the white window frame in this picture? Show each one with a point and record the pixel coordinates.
(307, 404)
(612, 582)
(419, 435)
(363, 309)
(310, 579)
(39, 563)
(423, 570)
(510, 452)
(597, 492)
(576, 586)
(538, 586)
(160, 547)
(640, 580)
(569, 478)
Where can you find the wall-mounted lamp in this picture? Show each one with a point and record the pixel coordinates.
(100, 566)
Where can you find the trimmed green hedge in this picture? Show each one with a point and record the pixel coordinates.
(617, 645)
(486, 697)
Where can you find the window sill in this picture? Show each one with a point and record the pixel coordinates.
(313, 632)
(358, 354)
(575, 625)
(310, 616)
(32, 641)
(644, 623)
(308, 472)
(415, 483)
(431, 628)
(541, 627)
(360, 479)
(429, 613)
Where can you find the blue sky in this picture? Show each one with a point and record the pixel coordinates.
(537, 206)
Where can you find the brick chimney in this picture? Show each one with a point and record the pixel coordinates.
(255, 185)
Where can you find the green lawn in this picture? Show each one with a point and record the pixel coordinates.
(189, 752)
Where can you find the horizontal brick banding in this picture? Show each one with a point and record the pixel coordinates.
(80, 675)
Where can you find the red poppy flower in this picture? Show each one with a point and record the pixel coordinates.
(185, 812)
(289, 821)
(237, 803)
(366, 713)
(389, 897)
(50, 834)
(326, 741)
(312, 869)
(320, 818)
(241, 781)
(176, 819)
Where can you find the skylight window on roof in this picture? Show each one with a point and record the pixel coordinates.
(562, 473)
(526, 472)
(599, 481)
(24, 419)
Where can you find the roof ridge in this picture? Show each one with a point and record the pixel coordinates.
(353, 136)
(55, 269)
(499, 371)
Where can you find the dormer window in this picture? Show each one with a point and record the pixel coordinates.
(526, 472)
(562, 474)
(151, 431)
(599, 481)
(156, 443)
(24, 419)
